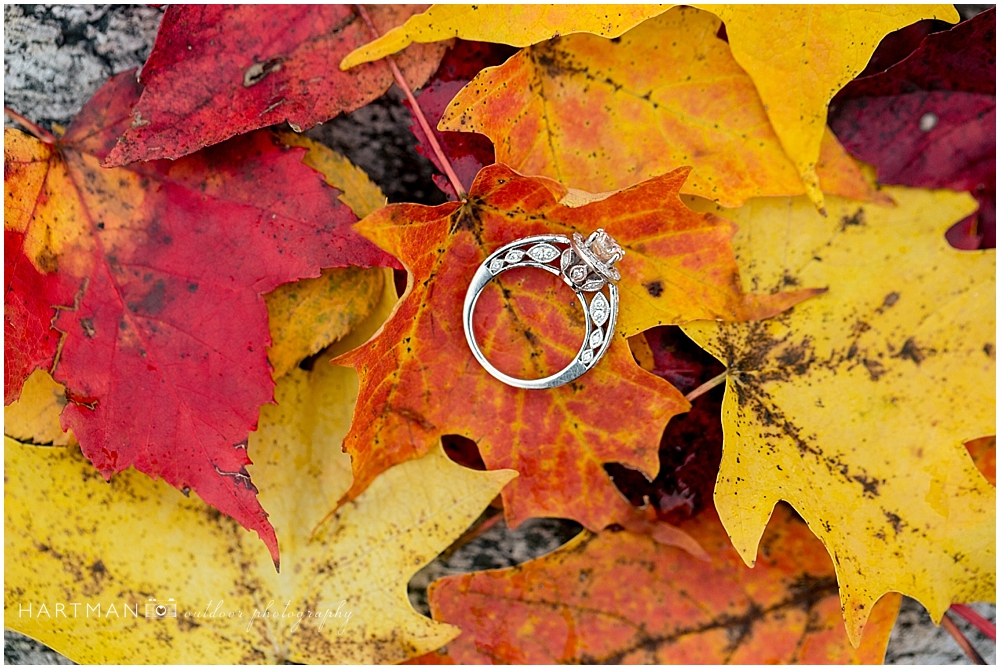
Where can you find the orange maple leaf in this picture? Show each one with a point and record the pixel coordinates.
(419, 380)
(570, 607)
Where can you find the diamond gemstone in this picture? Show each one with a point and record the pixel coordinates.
(578, 273)
(567, 260)
(606, 248)
(543, 253)
(513, 256)
(600, 309)
(587, 356)
(596, 339)
(496, 265)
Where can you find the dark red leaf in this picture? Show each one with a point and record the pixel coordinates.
(897, 45)
(691, 446)
(220, 70)
(930, 120)
(464, 451)
(468, 152)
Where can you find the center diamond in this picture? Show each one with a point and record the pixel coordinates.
(606, 248)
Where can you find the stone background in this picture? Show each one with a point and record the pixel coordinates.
(57, 56)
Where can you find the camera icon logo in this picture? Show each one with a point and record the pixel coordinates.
(159, 611)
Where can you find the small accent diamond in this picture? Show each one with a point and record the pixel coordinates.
(568, 259)
(543, 253)
(496, 265)
(599, 309)
(513, 256)
(578, 273)
(587, 356)
(596, 339)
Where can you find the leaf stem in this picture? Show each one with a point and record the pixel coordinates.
(705, 387)
(980, 623)
(417, 111)
(963, 643)
(38, 131)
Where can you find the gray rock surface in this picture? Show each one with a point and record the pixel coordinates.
(916, 640)
(56, 57)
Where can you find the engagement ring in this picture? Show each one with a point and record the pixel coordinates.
(587, 266)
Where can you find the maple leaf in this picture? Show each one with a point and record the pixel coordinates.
(418, 375)
(217, 71)
(71, 537)
(930, 120)
(570, 606)
(517, 25)
(159, 271)
(466, 151)
(601, 115)
(799, 56)
(854, 406)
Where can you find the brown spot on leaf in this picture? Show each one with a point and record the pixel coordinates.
(894, 520)
(874, 367)
(152, 302)
(911, 351)
(654, 288)
(47, 261)
(788, 280)
(415, 417)
(88, 327)
(868, 484)
(258, 71)
(856, 220)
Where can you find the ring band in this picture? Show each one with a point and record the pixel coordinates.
(587, 266)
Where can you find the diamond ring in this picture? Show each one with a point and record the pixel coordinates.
(588, 266)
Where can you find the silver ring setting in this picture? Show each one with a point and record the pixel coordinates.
(587, 266)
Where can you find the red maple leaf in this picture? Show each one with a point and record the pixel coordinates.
(220, 70)
(155, 276)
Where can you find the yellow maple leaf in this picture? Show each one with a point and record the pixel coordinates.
(74, 542)
(601, 115)
(305, 316)
(517, 25)
(799, 56)
(854, 406)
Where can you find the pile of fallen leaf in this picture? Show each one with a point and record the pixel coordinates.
(201, 299)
